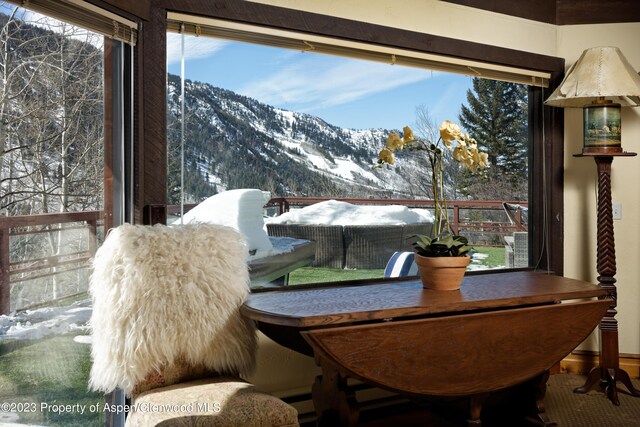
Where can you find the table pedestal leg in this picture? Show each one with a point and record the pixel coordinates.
(335, 404)
(539, 389)
(475, 410)
(523, 404)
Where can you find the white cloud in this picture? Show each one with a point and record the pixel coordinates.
(450, 97)
(311, 84)
(194, 47)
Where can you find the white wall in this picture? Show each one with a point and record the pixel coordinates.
(445, 19)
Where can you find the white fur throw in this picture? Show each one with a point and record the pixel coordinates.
(162, 295)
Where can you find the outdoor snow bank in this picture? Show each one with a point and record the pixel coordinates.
(241, 210)
(353, 236)
(334, 212)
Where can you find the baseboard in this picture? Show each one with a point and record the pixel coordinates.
(582, 363)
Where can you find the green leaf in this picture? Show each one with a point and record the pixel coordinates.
(445, 244)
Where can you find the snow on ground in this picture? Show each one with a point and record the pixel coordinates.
(333, 212)
(341, 167)
(318, 161)
(43, 322)
(346, 168)
(476, 262)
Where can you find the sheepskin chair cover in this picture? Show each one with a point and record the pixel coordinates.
(167, 295)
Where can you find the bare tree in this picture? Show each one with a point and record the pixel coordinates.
(50, 117)
(51, 126)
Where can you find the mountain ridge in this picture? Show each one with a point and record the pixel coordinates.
(285, 152)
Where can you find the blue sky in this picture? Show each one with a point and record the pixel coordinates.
(343, 91)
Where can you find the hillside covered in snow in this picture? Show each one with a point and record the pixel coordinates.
(232, 141)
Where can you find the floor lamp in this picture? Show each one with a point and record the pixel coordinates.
(601, 82)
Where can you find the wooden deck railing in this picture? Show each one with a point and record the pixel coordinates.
(30, 267)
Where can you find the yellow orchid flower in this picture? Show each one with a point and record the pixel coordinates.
(394, 142)
(449, 132)
(407, 135)
(460, 154)
(464, 151)
(386, 156)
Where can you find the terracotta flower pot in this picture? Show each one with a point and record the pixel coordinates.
(442, 273)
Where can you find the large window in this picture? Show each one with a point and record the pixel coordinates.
(54, 203)
(304, 120)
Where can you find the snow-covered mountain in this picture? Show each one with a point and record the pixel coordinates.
(232, 141)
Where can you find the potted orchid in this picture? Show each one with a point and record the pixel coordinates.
(442, 247)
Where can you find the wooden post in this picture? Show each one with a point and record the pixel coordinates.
(92, 228)
(154, 214)
(456, 220)
(519, 225)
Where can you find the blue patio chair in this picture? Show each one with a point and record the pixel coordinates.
(401, 264)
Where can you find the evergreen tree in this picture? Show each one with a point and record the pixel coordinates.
(497, 117)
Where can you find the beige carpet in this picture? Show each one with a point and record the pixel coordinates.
(563, 406)
(592, 409)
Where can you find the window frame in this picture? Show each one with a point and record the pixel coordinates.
(546, 125)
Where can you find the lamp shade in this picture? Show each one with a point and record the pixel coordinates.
(601, 73)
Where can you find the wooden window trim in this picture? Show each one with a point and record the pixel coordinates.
(562, 12)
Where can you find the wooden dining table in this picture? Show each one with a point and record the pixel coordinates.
(500, 330)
